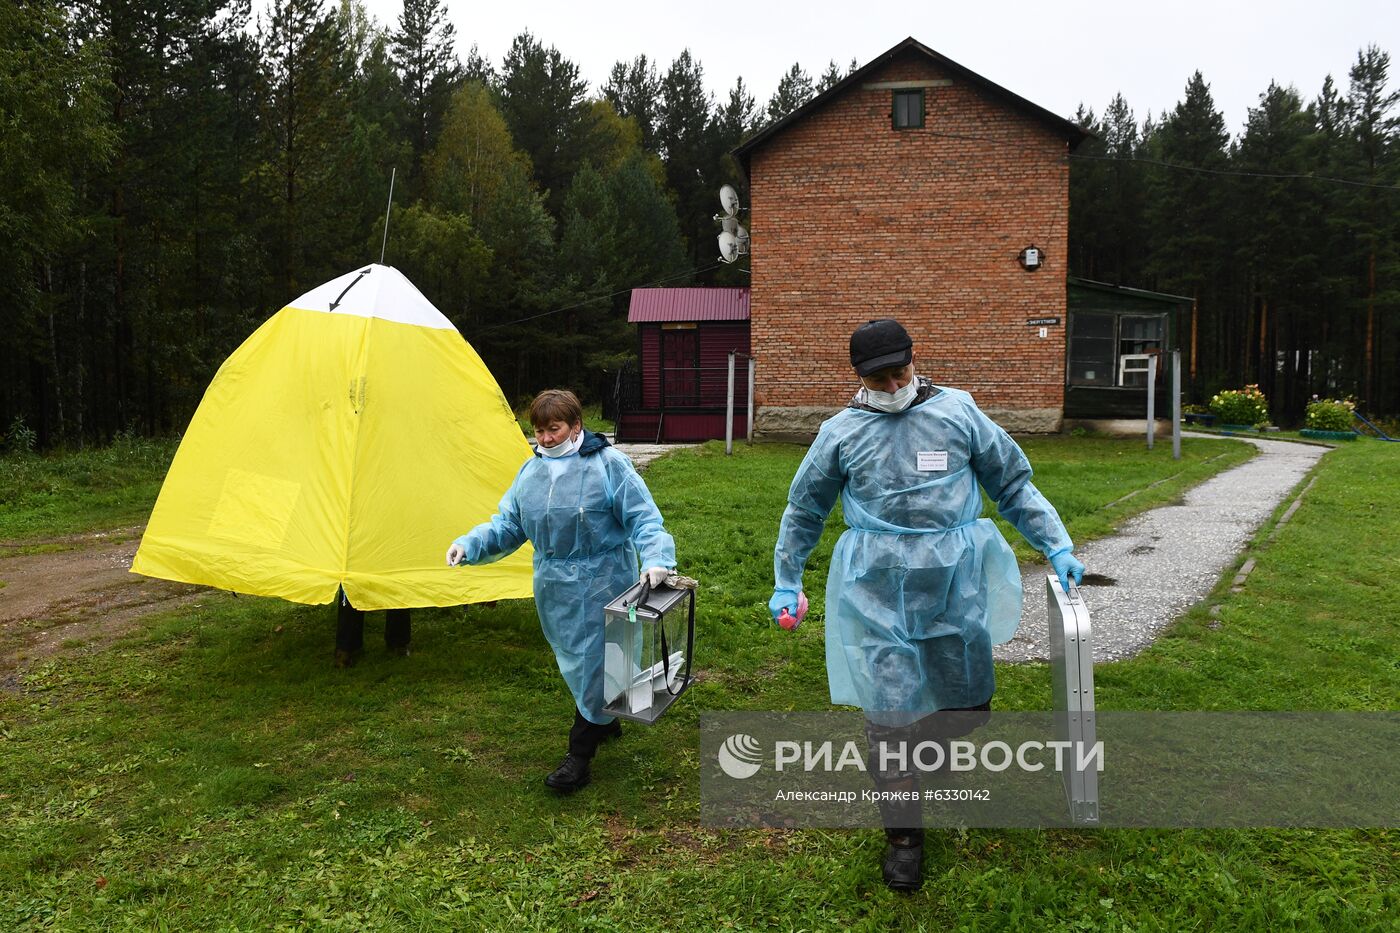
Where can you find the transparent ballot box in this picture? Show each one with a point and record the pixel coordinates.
(648, 642)
(1072, 676)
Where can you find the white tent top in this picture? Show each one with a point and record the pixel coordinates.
(374, 291)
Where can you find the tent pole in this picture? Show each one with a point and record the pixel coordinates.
(385, 242)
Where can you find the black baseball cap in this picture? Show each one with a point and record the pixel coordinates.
(877, 345)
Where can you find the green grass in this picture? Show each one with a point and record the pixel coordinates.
(215, 772)
(69, 492)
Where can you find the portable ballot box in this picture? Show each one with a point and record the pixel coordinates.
(1072, 670)
(648, 642)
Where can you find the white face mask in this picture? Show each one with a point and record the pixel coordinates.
(891, 402)
(562, 449)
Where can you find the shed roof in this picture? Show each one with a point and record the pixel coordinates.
(1071, 131)
(651, 305)
(1075, 281)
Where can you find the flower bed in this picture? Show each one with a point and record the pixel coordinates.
(1240, 409)
(1332, 415)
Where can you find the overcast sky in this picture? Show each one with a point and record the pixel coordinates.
(1057, 53)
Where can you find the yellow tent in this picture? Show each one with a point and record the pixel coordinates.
(345, 443)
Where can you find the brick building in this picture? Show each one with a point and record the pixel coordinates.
(910, 190)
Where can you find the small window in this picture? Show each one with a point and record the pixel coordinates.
(909, 109)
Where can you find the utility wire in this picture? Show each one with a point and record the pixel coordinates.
(589, 301)
(1235, 172)
(1176, 165)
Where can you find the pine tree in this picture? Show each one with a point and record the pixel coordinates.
(478, 69)
(53, 98)
(794, 90)
(1274, 243)
(542, 99)
(1188, 222)
(303, 118)
(635, 91)
(688, 146)
(829, 78)
(423, 53)
(1371, 158)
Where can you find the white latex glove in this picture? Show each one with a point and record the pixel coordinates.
(455, 554)
(657, 575)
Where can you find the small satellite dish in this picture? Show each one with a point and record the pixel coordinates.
(728, 247)
(729, 200)
(742, 236)
(730, 225)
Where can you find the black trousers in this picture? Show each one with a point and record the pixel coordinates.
(585, 736)
(903, 819)
(350, 628)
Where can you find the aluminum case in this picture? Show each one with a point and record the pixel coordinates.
(1072, 674)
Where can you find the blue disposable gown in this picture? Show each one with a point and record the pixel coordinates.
(588, 517)
(920, 586)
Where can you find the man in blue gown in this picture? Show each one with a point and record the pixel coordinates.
(920, 586)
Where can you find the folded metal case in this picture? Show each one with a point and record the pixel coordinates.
(1072, 673)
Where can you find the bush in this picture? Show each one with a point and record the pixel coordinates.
(1240, 406)
(1329, 415)
(20, 438)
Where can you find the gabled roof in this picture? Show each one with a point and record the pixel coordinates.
(652, 305)
(1072, 132)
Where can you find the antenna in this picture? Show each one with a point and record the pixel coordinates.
(734, 241)
(728, 247)
(392, 172)
(729, 200)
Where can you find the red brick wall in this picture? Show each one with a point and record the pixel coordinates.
(853, 220)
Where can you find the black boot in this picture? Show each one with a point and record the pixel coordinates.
(573, 773)
(903, 869)
(397, 633)
(349, 632)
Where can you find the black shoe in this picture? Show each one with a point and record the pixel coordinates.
(903, 869)
(344, 658)
(572, 774)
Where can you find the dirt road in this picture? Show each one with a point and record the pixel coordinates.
(75, 591)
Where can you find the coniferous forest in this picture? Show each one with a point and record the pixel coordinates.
(175, 172)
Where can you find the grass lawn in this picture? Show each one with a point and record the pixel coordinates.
(43, 496)
(215, 772)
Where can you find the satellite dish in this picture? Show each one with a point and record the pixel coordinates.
(729, 200)
(730, 225)
(742, 236)
(728, 247)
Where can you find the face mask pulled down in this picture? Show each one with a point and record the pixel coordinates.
(565, 447)
(891, 402)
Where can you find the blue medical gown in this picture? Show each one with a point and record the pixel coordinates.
(920, 585)
(588, 518)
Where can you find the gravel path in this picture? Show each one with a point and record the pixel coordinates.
(1167, 559)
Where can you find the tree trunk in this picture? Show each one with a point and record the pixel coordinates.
(1368, 397)
(1262, 377)
(53, 356)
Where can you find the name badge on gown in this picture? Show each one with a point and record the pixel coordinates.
(930, 461)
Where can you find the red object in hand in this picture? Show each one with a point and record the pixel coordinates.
(789, 621)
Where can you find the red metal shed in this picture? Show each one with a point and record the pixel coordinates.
(684, 338)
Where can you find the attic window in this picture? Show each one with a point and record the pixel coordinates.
(908, 109)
